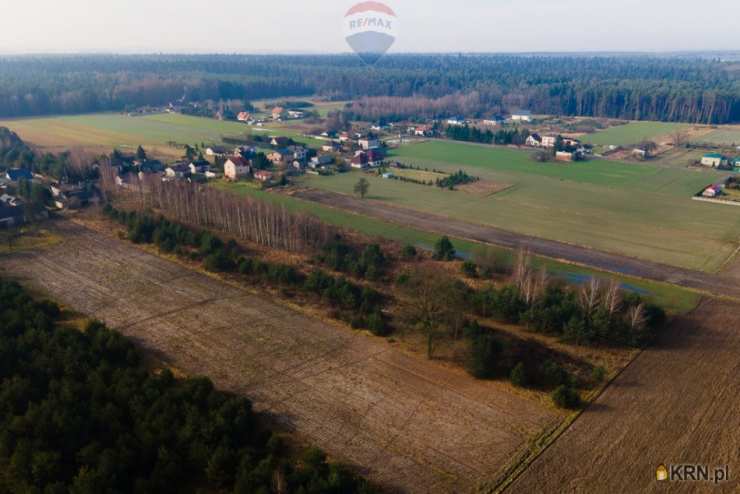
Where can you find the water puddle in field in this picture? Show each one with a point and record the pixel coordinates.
(580, 279)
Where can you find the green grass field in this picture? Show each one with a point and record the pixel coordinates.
(632, 133)
(641, 211)
(108, 130)
(674, 299)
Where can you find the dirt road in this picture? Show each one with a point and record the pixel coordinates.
(676, 404)
(410, 423)
(697, 280)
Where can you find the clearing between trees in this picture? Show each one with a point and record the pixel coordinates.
(410, 423)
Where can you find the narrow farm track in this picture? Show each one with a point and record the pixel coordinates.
(410, 424)
(676, 404)
(717, 285)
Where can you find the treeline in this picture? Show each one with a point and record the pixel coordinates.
(626, 87)
(72, 166)
(516, 136)
(257, 221)
(592, 314)
(80, 413)
(360, 306)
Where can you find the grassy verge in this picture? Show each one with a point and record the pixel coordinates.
(673, 299)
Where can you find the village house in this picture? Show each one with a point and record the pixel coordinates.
(236, 168)
(713, 191)
(521, 116)
(331, 148)
(359, 160)
(369, 143)
(456, 121)
(298, 152)
(216, 151)
(639, 153)
(321, 161)
(244, 151)
(344, 137)
(69, 196)
(263, 175)
(714, 160)
(199, 166)
(423, 131)
(549, 141)
(18, 174)
(244, 116)
(295, 114)
(277, 112)
(177, 170)
(534, 140)
(736, 163)
(279, 156)
(494, 121)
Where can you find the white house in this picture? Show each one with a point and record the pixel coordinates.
(236, 168)
(549, 141)
(368, 144)
(521, 116)
(534, 141)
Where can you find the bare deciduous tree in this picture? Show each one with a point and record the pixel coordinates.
(590, 296)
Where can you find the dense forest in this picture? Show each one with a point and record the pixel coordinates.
(80, 413)
(630, 87)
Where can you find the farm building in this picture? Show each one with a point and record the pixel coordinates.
(639, 153)
(714, 160)
(236, 167)
(521, 116)
(564, 156)
(295, 114)
(494, 121)
(244, 116)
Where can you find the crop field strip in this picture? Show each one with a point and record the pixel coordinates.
(639, 211)
(411, 422)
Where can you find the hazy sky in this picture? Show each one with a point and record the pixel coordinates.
(256, 26)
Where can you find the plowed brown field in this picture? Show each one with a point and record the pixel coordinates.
(409, 423)
(676, 404)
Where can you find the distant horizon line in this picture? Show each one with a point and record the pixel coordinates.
(329, 53)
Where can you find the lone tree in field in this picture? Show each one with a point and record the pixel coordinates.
(680, 137)
(362, 187)
(444, 250)
(434, 303)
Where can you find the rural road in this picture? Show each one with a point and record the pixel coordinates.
(704, 282)
(677, 403)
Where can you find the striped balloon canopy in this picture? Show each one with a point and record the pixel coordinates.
(370, 29)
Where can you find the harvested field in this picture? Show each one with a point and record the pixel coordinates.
(410, 423)
(676, 404)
